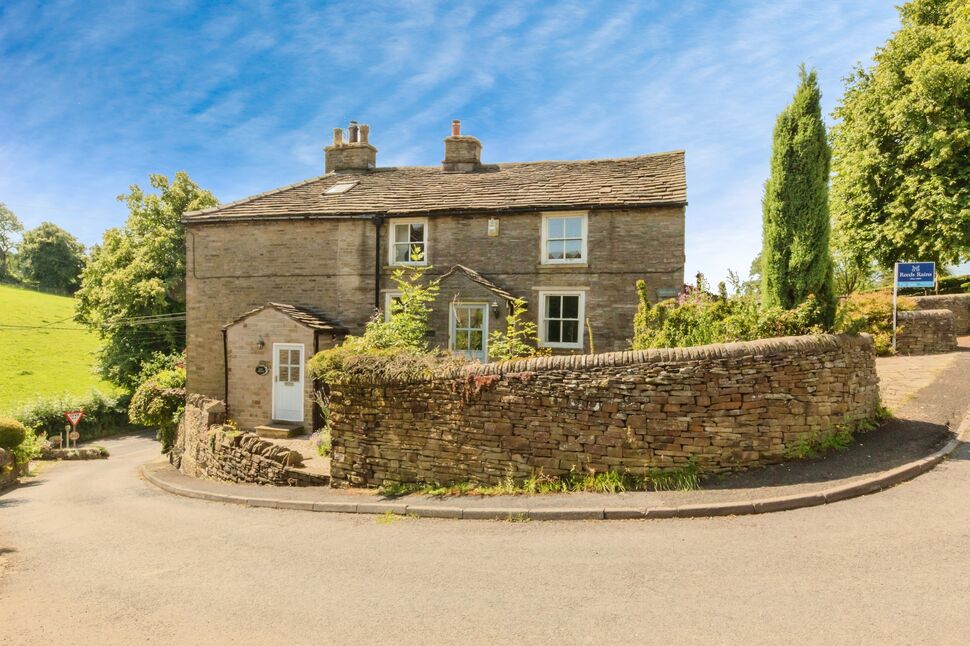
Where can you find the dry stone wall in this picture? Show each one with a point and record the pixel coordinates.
(925, 332)
(723, 407)
(959, 304)
(205, 448)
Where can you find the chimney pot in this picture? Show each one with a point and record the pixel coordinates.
(463, 153)
(353, 156)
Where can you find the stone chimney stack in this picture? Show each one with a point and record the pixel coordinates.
(463, 154)
(353, 155)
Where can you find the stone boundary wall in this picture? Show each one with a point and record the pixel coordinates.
(204, 448)
(725, 407)
(925, 332)
(959, 304)
(9, 470)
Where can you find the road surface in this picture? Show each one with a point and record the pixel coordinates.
(91, 554)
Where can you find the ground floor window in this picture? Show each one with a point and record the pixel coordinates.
(469, 330)
(561, 319)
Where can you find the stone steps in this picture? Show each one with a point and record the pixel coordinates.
(279, 430)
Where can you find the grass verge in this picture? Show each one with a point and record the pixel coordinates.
(680, 479)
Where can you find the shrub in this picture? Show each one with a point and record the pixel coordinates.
(391, 349)
(159, 362)
(520, 339)
(12, 433)
(29, 448)
(871, 312)
(159, 401)
(103, 414)
(697, 317)
(944, 285)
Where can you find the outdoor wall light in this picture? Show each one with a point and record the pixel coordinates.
(494, 308)
(260, 344)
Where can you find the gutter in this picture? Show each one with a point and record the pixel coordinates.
(225, 367)
(378, 220)
(316, 215)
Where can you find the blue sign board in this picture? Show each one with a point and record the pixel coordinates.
(916, 274)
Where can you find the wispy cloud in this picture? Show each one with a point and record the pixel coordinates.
(94, 97)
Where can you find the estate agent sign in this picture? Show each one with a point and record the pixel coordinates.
(911, 274)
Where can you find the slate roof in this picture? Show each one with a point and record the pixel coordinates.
(477, 278)
(648, 180)
(303, 314)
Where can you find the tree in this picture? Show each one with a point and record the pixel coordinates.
(520, 338)
(50, 257)
(9, 226)
(795, 257)
(901, 183)
(133, 288)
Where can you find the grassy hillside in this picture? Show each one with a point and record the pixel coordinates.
(47, 360)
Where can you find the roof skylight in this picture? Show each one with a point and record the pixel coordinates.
(340, 187)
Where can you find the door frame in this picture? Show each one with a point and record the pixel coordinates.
(276, 357)
(486, 308)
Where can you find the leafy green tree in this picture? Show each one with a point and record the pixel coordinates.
(901, 184)
(9, 226)
(795, 257)
(133, 288)
(50, 257)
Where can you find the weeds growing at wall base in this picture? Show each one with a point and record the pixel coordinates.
(838, 439)
(685, 478)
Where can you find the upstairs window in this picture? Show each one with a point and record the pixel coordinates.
(564, 238)
(561, 319)
(409, 242)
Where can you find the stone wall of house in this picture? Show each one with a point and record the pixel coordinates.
(250, 393)
(329, 264)
(204, 448)
(959, 304)
(727, 407)
(925, 332)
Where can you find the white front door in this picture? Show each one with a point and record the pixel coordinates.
(469, 330)
(288, 382)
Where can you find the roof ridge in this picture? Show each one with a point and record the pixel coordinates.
(666, 153)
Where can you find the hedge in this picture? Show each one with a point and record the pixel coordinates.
(103, 414)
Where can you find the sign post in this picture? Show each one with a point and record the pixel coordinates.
(73, 416)
(911, 274)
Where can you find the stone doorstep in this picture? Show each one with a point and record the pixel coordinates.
(279, 430)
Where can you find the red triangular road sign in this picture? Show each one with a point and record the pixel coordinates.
(74, 416)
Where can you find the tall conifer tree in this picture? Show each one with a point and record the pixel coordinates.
(796, 261)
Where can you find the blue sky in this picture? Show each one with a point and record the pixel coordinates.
(243, 95)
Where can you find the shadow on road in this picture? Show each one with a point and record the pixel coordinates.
(893, 444)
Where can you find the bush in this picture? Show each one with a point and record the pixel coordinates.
(697, 317)
(29, 448)
(12, 433)
(871, 312)
(103, 414)
(520, 339)
(944, 285)
(159, 401)
(390, 349)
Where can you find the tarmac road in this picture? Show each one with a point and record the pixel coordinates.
(91, 554)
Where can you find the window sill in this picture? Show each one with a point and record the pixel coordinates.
(562, 265)
(560, 346)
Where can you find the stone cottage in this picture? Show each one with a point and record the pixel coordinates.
(273, 278)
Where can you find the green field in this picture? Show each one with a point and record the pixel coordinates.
(48, 360)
